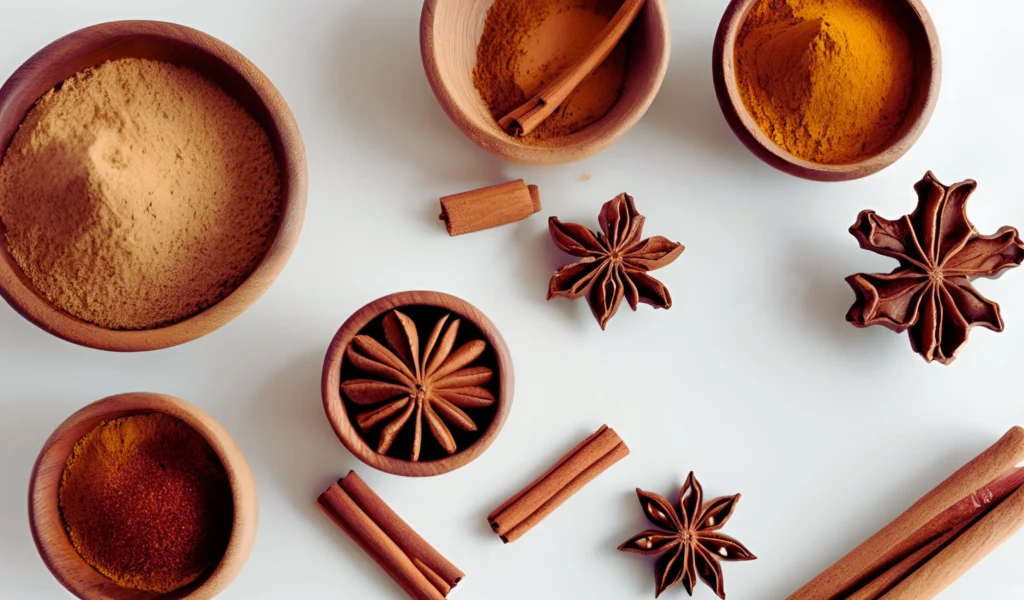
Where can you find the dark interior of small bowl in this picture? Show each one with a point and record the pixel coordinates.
(425, 318)
(55, 64)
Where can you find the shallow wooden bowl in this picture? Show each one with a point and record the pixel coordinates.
(347, 430)
(925, 41)
(48, 528)
(236, 75)
(449, 33)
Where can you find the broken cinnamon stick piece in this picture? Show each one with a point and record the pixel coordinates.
(951, 512)
(527, 117)
(413, 563)
(489, 207)
(577, 468)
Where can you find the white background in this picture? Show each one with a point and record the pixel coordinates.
(753, 379)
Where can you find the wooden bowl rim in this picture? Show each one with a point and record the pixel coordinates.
(579, 145)
(28, 302)
(747, 130)
(334, 405)
(240, 479)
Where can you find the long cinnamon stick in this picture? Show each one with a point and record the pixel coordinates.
(413, 563)
(964, 552)
(489, 207)
(527, 117)
(573, 471)
(971, 491)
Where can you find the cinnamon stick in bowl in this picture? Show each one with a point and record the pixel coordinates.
(412, 562)
(939, 538)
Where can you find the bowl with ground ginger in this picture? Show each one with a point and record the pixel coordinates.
(152, 186)
(486, 58)
(829, 91)
(141, 496)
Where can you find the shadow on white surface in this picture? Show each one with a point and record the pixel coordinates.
(387, 100)
(637, 568)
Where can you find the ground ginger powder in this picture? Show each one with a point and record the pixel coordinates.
(828, 81)
(147, 502)
(527, 44)
(138, 193)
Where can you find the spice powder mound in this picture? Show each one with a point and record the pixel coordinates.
(147, 503)
(829, 82)
(138, 193)
(527, 44)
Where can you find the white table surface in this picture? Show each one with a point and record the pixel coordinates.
(753, 379)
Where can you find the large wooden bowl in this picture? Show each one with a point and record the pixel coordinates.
(336, 408)
(449, 33)
(48, 527)
(239, 78)
(925, 42)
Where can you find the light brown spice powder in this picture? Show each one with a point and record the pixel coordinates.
(138, 193)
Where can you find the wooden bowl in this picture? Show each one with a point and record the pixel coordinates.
(449, 33)
(48, 527)
(925, 42)
(498, 358)
(238, 77)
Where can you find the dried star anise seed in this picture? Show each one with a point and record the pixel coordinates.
(615, 261)
(691, 547)
(940, 252)
(431, 383)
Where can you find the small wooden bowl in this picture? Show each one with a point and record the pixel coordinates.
(238, 77)
(348, 432)
(48, 527)
(449, 33)
(925, 42)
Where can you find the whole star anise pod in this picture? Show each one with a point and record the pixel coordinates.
(940, 252)
(615, 261)
(431, 384)
(691, 546)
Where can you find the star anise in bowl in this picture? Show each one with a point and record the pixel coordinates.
(417, 383)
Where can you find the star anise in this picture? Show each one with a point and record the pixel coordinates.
(940, 252)
(431, 384)
(615, 261)
(691, 545)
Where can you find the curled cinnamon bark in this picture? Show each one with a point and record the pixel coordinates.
(413, 563)
(576, 469)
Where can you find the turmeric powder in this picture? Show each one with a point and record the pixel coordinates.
(828, 81)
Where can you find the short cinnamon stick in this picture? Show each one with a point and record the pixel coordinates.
(927, 529)
(413, 563)
(527, 117)
(577, 468)
(489, 207)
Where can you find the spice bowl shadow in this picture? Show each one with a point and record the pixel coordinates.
(450, 31)
(47, 524)
(924, 41)
(224, 66)
(424, 308)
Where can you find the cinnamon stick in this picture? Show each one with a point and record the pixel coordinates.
(527, 117)
(927, 529)
(489, 207)
(413, 563)
(573, 471)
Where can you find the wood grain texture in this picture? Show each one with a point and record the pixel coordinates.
(927, 54)
(239, 78)
(869, 559)
(48, 528)
(349, 433)
(449, 33)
